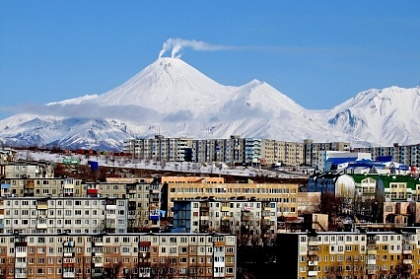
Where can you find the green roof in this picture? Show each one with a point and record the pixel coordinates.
(387, 179)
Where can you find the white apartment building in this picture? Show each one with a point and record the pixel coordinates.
(58, 215)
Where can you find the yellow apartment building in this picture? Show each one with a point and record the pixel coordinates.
(189, 188)
(358, 255)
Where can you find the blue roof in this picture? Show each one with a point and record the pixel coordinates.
(384, 158)
(403, 167)
(340, 160)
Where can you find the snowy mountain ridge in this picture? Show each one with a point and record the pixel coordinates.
(171, 98)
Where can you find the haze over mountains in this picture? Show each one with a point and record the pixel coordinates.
(171, 98)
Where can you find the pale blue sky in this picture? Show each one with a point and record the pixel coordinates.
(318, 53)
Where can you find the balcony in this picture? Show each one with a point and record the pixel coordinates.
(20, 265)
(21, 243)
(110, 207)
(312, 273)
(407, 261)
(42, 226)
(68, 274)
(313, 241)
(407, 251)
(372, 252)
(69, 244)
(20, 275)
(42, 206)
(92, 191)
(98, 264)
(370, 271)
(312, 263)
(21, 254)
(313, 250)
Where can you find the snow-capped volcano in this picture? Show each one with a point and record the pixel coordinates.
(172, 98)
(171, 85)
(390, 115)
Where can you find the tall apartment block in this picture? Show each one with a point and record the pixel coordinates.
(235, 150)
(250, 220)
(159, 148)
(117, 255)
(143, 195)
(312, 149)
(370, 254)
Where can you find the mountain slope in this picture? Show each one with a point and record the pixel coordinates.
(174, 99)
(391, 115)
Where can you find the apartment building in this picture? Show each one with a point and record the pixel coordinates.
(6, 155)
(58, 214)
(248, 219)
(285, 195)
(118, 255)
(408, 155)
(159, 149)
(234, 150)
(41, 187)
(143, 197)
(312, 149)
(26, 169)
(371, 254)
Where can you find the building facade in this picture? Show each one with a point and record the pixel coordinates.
(57, 215)
(373, 254)
(115, 255)
(285, 195)
(254, 222)
(233, 151)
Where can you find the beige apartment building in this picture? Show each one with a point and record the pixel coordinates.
(233, 151)
(41, 187)
(26, 169)
(127, 255)
(143, 198)
(285, 195)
